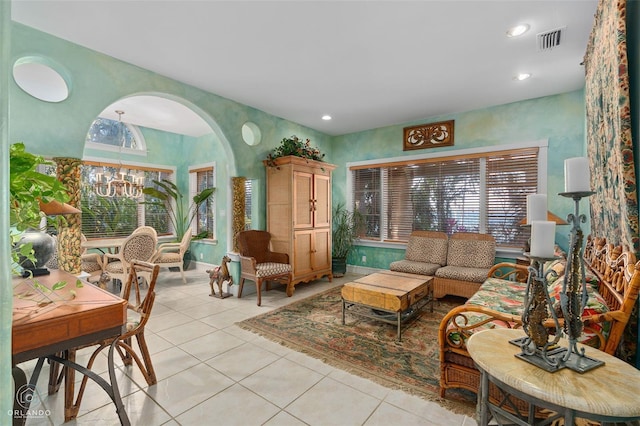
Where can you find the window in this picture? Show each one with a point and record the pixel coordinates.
(247, 203)
(474, 192)
(110, 135)
(200, 178)
(118, 216)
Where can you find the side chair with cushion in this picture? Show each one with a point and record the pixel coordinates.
(138, 312)
(172, 254)
(137, 246)
(146, 229)
(91, 262)
(259, 264)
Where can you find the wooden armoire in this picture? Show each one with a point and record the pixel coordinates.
(299, 214)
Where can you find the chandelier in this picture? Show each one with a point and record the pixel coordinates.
(123, 183)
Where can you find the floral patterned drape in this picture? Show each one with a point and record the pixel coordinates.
(614, 206)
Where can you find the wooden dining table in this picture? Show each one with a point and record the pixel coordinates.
(48, 321)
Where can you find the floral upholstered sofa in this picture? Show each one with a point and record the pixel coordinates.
(460, 263)
(613, 279)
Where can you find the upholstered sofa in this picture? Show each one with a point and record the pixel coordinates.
(459, 263)
(613, 278)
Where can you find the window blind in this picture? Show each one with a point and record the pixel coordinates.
(482, 192)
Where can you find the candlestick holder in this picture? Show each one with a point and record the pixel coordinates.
(573, 297)
(540, 345)
(537, 317)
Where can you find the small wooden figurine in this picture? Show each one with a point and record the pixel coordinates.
(219, 275)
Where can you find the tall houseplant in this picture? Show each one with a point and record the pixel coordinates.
(168, 197)
(27, 188)
(346, 225)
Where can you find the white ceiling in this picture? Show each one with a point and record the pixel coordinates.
(366, 63)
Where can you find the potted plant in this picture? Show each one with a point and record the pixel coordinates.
(296, 147)
(27, 189)
(169, 198)
(345, 227)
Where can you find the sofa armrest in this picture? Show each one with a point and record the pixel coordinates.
(509, 271)
(456, 327)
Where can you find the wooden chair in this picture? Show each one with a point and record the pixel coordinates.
(172, 254)
(138, 246)
(258, 263)
(138, 310)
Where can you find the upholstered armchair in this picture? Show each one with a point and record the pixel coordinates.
(259, 264)
(139, 246)
(172, 254)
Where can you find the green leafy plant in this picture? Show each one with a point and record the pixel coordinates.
(346, 226)
(296, 147)
(169, 198)
(27, 187)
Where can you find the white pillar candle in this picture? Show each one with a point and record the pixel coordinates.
(543, 235)
(536, 207)
(577, 177)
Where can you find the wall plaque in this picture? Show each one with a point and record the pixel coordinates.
(428, 135)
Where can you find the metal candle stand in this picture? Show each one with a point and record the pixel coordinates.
(538, 312)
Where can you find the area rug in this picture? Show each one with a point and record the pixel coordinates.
(365, 347)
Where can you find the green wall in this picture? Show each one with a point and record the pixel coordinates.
(97, 80)
(560, 119)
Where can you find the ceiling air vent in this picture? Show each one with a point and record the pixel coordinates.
(550, 39)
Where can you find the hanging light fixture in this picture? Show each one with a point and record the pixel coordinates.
(124, 183)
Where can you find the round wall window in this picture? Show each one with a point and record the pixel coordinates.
(251, 133)
(40, 79)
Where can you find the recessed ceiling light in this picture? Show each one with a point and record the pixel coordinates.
(518, 30)
(522, 76)
(326, 117)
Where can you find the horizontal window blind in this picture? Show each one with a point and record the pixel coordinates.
(367, 198)
(441, 196)
(482, 192)
(510, 178)
(118, 216)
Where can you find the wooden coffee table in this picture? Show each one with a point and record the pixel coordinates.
(389, 296)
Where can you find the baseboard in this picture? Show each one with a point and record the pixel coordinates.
(362, 270)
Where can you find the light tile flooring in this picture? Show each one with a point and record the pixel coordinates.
(211, 371)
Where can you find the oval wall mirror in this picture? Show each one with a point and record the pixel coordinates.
(40, 79)
(251, 133)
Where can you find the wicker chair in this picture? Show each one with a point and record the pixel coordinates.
(258, 263)
(91, 262)
(138, 246)
(139, 310)
(171, 255)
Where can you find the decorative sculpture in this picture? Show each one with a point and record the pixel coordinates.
(219, 275)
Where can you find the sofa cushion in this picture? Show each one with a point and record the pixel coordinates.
(463, 273)
(413, 267)
(595, 302)
(471, 253)
(426, 249)
(508, 297)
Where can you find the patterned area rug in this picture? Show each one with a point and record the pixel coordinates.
(365, 347)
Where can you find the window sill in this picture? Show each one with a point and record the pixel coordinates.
(501, 252)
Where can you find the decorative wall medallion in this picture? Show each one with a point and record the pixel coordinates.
(428, 135)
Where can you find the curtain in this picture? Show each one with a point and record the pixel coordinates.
(614, 206)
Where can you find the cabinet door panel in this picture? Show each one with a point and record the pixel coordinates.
(322, 201)
(302, 197)
(302, 247)
(321, 249)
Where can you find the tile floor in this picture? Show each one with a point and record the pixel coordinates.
(211, 371)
